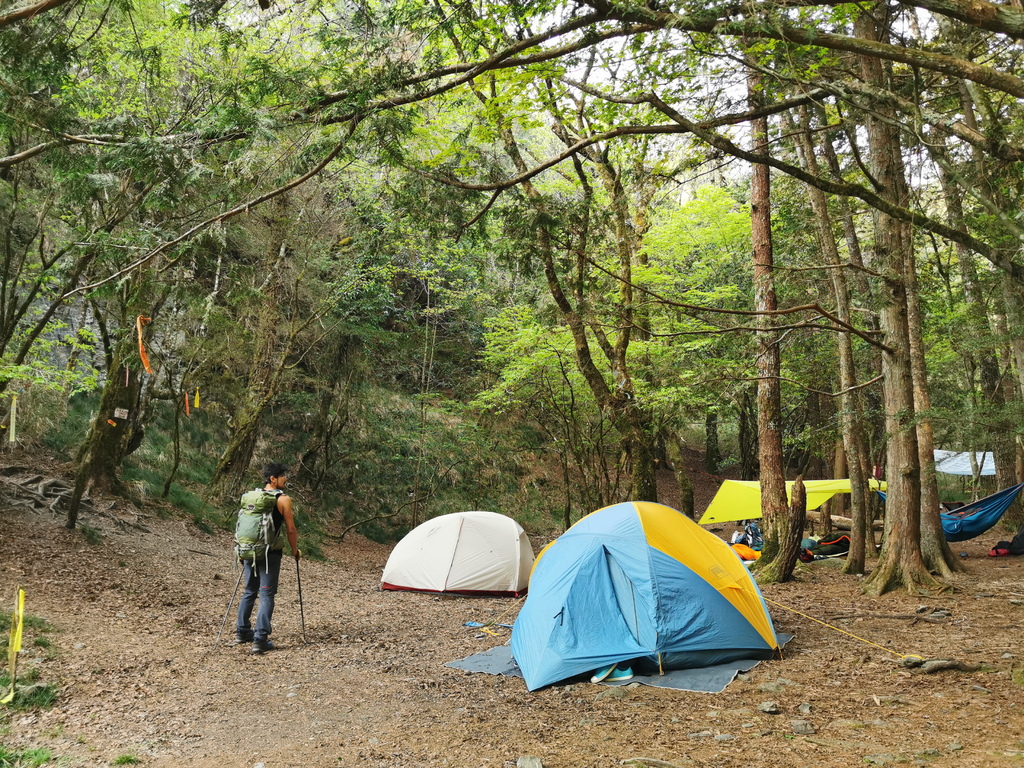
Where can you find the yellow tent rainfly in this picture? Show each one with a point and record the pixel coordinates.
(741, 499)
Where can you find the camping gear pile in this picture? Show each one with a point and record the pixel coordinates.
(824, 547)
(748, 543)
(1008, 548)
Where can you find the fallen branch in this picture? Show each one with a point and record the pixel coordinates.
(842, 523)
(940, 665)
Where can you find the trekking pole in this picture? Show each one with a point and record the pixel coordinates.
(302, 613)
(228, 609)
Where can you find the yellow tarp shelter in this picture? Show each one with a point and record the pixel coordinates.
(741, 499)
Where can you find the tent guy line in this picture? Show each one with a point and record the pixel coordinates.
(837, 629)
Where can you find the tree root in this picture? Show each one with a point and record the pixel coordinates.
(931, 666)
(36, 492)
(912, 616)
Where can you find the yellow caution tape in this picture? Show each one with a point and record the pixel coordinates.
(14, 644)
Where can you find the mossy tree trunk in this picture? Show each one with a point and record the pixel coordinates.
(273, 345)
(111, 436)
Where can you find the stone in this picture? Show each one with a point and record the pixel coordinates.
(803, 728)
(529, 761)
(930, 752)
(770, 688)
(954, 747)
(805, 708)
(724, 737)
(700, 735)
(769, 707)
(1006, 655)
(616, 692)
(879, 759)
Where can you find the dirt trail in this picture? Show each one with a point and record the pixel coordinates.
(133, 655)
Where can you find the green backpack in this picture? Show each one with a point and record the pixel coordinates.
(255, 533)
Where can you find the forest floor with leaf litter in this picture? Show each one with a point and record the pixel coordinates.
(134, 620)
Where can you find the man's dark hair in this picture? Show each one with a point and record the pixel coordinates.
(273, 469)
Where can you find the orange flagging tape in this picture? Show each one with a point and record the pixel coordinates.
(139, 322)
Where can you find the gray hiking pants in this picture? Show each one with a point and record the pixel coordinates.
(260, 581)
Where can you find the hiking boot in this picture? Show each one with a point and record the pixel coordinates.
(241, 638)
(620, 675)
(603, 673)
(262, 646)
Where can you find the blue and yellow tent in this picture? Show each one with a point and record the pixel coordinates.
(638, 581)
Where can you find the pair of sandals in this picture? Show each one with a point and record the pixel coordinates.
(612, 674)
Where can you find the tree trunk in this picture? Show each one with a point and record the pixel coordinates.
(747, 436)
(850, 453)
(935, 552)
(900, 564)
(683, 478)
(797, 519)
(712, 451)
(272, 349)
(771, 567)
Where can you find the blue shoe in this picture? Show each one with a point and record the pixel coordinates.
(620, 675)
(602, 674)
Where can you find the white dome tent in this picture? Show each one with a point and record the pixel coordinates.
(467, 553)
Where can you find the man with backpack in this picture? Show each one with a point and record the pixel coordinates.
(259, 546)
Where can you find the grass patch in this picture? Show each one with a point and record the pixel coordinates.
(28, 758)
(126, 759)
(28, 621)
(1017, 675)
(91, 535)
(29, 693)
(202, 524)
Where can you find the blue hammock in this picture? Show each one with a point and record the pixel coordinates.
(974, 519)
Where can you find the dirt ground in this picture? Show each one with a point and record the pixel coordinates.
(135, 618)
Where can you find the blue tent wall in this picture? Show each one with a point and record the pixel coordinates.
(603, 595)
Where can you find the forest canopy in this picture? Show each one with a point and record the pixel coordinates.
(522, 256)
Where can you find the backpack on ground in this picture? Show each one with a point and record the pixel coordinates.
(255, 532)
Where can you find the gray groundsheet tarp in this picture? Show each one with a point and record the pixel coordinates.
(499, 661)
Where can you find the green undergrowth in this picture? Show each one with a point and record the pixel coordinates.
(65, 435)
(23, 758)
(394, 450)
(1017, 675)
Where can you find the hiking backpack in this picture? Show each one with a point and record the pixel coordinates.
(255, 532)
